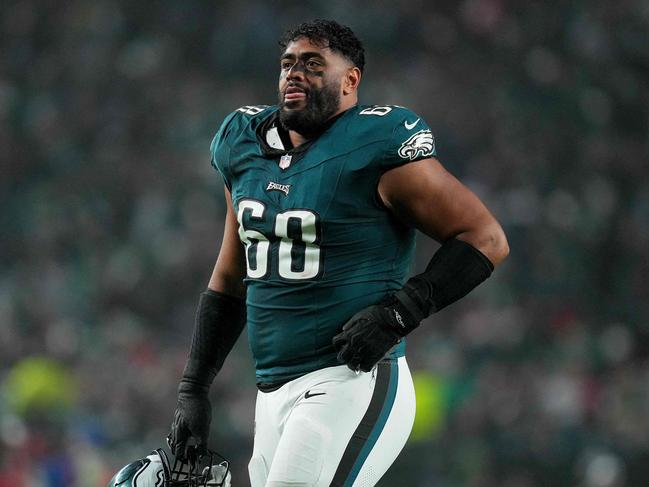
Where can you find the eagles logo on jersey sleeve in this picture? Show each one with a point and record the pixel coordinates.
(418, 145)
(411, 140)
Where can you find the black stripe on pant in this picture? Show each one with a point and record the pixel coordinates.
(364, 429)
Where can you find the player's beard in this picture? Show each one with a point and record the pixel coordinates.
(321, 105)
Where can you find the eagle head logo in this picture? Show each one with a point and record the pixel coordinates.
(420, 144)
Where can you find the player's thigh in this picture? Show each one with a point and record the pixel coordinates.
(393, 434)
(318, 429)
(351, 435)
(382, 432)
(265, 440)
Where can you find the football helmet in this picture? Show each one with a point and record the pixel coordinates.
(156, 471)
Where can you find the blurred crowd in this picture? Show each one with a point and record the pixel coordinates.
(111, 221)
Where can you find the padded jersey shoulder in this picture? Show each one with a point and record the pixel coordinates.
(241, 122)
(406, 135)
(244, 117)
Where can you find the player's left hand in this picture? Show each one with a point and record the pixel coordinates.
(191, 424)
(368, 336)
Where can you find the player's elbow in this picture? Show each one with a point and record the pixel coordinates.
(489, 238)
(495, 243)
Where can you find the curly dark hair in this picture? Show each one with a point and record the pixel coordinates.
(331, 34)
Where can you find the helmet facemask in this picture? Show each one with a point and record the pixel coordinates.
(196, 472)
(208, 470)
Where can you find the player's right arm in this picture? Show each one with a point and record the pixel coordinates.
(419, 191)
(220, 318)
(230, 268)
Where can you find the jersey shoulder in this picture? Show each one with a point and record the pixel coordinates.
(252, 115)
(240, 120)
(241, 123)
(406, 136)
(386, 115)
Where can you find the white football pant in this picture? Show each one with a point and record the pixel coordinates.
(333, 427)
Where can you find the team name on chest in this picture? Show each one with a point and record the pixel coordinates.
(284, 188)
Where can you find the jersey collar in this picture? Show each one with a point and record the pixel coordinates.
(271, 135)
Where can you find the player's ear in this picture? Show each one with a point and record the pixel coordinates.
(352, 80)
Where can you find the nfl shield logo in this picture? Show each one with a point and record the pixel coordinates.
(285, 161)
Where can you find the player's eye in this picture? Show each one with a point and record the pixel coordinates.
(286, 65)
(311, 64)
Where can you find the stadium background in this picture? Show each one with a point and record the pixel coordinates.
(111, 220)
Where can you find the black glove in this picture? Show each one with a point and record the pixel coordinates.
(191, 424)
(371, 333)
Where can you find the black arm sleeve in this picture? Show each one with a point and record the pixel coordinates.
(219, 321)
(455, 269)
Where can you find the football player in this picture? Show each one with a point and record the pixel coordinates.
(323, 199)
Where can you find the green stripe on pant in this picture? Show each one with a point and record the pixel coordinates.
(369, 429)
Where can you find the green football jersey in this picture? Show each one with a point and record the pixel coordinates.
(320, 245)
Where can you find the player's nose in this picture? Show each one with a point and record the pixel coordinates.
(296, 72)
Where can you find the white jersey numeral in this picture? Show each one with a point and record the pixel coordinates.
(379, 110)
(257, 245)
(298, 254)
(376, 110)
(252, 109)
(291, 250)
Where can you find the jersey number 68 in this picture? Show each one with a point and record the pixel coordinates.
(298, 231)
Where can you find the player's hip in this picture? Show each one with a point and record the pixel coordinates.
(337, 389)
